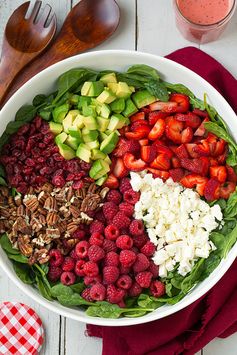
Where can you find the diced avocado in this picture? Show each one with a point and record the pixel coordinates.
(109, 78)
(105, 111)
(83, 152)
(73, 142)
(60, 112)
(102, 136)
(107, 159)
(45, 114)
(123, 90)
(83, 100)
(98, 169)
(89, 135)
(101, 180)
(130, 108)
(117, 121)
(66, 151)
(109, 143)
(132, 88)
(97, 154)
(68, 120)
(102, 123)
(113, 87)
(89, 110)
(60, 138)
(55, 128)
(90, 122)
(74, 132)
(143, 98)
(92, 89)
(106, 97)
(93, 144)
(118, 105)
(74, 99)
(78, 123)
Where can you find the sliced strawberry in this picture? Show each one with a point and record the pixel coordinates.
(227, 189)
(212, 190)
(143, 142)
(155, 115)
(159, 173)
(231, 174)
(200, 113)
(161, 162)
(181, 152)
(190, 119)
(187, 135)
(126, 146)
(222, 158)
(148, 153)
(141, 132)
(157, 130)
(161, 148)
(119, 169)
(163, 106)
(176, 174)
(181, 100)
(201, 131)
(175, 131)
(132, 163)
(211, 138)
(190, 148)
(112, 182)
(194, 180)
(218, 172)
(175, 162)
(198, 166)
(220, 147)
(213, 162)
(146, 110)
(123, 130)
(202, 149)
(139, 116)
(137, 125)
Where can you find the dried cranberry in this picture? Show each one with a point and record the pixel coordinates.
(70, 177)
(16, 153)
(77, 184)
(36, 152)
(15, 180)
(58, 157)
(72, 166)
(22, 157)
(44, 128)
(32, 178)
(24, 129)
(40, 180)
(80, 175)
(32, 130)
(42, 145)
(37, 122)
(30, 162)
(48, 138)
(9, 169)
(85, 166)
(17, 168)
(58, 181)
(46, 170)
(22, 188)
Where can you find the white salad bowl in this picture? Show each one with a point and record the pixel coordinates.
(119, 60)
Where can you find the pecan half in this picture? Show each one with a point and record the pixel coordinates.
(24, 245)
(31, 202)
(52, 218)
(51, 204)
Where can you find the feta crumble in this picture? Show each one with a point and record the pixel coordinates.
(177, 220)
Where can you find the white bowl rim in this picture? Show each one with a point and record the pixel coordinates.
(155, 315)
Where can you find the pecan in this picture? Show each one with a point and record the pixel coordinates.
(90, 203)
(35, 224)
(4, 191)
(18, 200)
(2, 226)
(47, 187)
(20, 211)
(42, 211)
(20, 225)
(70, 194)
(52, 218)
(72, 227)
(11, 202)
(51, 204)
(85, 218)
(31, 202)
(42, 256)
(31, 191)
(64, 211)
(104, 192)
(53, 233)
(42, 197)
(62, 226)
(81, 193)
(4, 213)
(74, 211)
(24, 245)
(71, 242)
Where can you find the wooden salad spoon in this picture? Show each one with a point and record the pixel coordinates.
(88, 24)
(24, 39)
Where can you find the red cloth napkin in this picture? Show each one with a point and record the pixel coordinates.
(215, 314)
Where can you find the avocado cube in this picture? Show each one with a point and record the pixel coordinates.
(117, 121)
(74, 132)
(132, 89)
(60, 138)
(60, 112)
(68, 120)
(109, 143)
(98, 169)
(107, 160)
(102, 123)
(90, 122)
(83, 152)
(86, 88)
(113, 87)
(123, 90)
(102, 136)
(66, 151)
(89, 135)
(109, 78)
(93, 144)
(143, 98)
(73, 142)
(89, 110)
(83, 100)
(74, 99)
(97, 154)
(106, 97)
(92, 89)
(105, 111)
(55, 128)
(78, 123)
(118, 105)
(130, 108)
(101, 180)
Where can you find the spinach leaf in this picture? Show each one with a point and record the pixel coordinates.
(231, 206)
(197, 103)
(145, 301)
(210, 264)
(73, 300)
(26, 113)
(220, 132)
(171, 300)
(144, 70)
(157, 89)
(3, 139)
(230, 240)
(61, 290)
(13, 126)
(2, 171)
(7, 246)
(192, 278)
(43, 288)
(2, 181)
(78, 288)
(39, 100)
(232, 156)
(180, 88)
(131, 80)
(24, 272)
(19, 258)
(135, 314)
(108, 310)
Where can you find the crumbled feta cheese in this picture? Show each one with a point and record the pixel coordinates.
(178, 222)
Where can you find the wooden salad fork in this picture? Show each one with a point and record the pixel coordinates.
(24, 39)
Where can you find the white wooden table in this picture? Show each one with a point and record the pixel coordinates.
(149, 26)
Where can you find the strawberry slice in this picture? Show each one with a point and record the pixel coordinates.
(231, 175)
(123, 130)
(200, 113)
(132, 163)
(124, 146)
(164, 106)
(201, 131)
(155, 115)
(202, 149)
(141, 132)
(227, 189)
(175, 162)
(137, 125)
(148, 153)
(161, 148)
(212, 190)
(181, 151)
(157, 130)
(195, 180)
(112, 182)
(220, 147)
(213, 162)
(161, 162)
(218, 172)
(119, 169)
(139, 116)
(222, 158)
(176, 174)
(190, 119)
(182, 102)
(143, 142)
(175, 131)
(190, 148)
(198, 166)
(159, 173)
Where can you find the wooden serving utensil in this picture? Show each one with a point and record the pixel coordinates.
(24, 39)
(88, 24)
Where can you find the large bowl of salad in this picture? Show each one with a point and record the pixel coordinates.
(118, 181)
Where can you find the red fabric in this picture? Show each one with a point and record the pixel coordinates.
(215, 314)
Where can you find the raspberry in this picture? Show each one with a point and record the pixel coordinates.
(79, 234)
(109, 245)
(126, 208)
(135, 290)
(143, 278)
(86, 295)
(100, 216)
(131, 196)
(154, 269)
(90, 268)
(140, 240)
(68, 264)
(124, 242)
(120, 220)
(89, 280)
(124, 282)
(110, 274)
(82, 249)
(125, 185)
(114, 295)
(114, 196)
(127, 257)
(79, 268)
(97, 226)
(141, 263)
(68, 278)
(111, 232)
(56, 258)
(124, 270)
(54, 273)
(111, 259)
(136, 227)
(98, 292)
(95, 253)
(109, 210)
(73, 254)
(96, 239)
(148, 249)
(157, 288)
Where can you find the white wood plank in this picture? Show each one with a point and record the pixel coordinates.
(218, 346)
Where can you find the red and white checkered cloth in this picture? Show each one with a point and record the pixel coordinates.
(21, 330)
